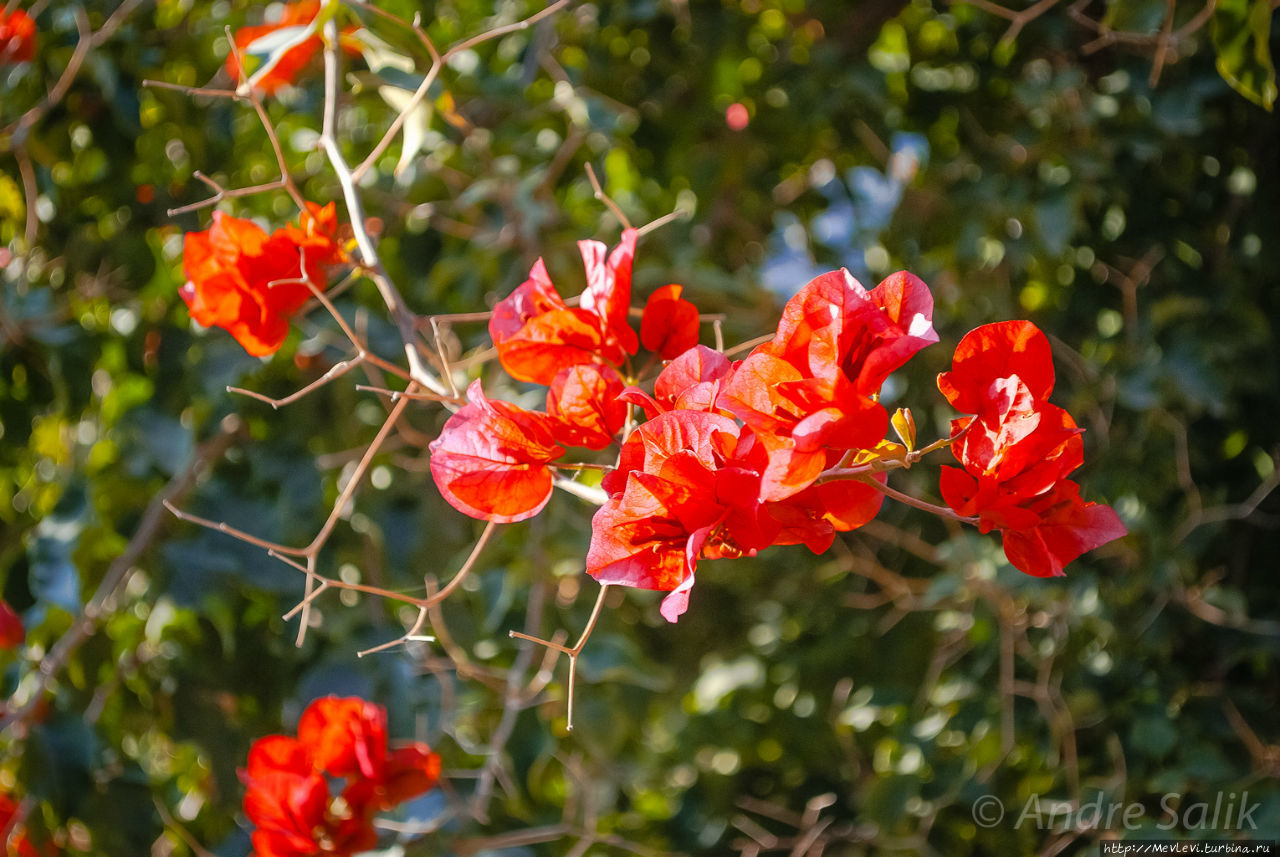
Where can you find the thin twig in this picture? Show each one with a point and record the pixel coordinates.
(605, 198)
(571, 652)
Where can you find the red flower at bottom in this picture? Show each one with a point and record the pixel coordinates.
(289, 797)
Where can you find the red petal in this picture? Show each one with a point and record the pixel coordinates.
(1068, 528)
(346, 737)
(907, 304)
(994, 351)
(277, 753)
(490, 461)
(641, 538)
(585, 406)
(537, 335)
(411, 771)
(608, 292)
(669, 326)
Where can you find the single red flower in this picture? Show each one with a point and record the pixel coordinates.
(680, 492)
(17, 37)
(12, 632)
(692, 381)
(491, 459)
(248, 282)
(537, 334)
(799, 419)
(585, 407)
(834, 327)
(288, 67)
(988, 353)
(669, 326)
(1017, 452)
(345, 737)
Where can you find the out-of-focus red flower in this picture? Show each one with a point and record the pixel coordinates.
(17, 37)
(345, 737)
(585, 407)
(491, 459)
(1017, 451)
(669, 326)
(12, 632)
(342, 744)
(537, 334)
(294, 60)
(248, 282)
(286, 799)
(19, 844)
(410, 771)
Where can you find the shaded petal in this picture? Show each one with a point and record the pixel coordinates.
(490, 460)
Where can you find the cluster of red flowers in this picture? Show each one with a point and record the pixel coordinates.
(777, 448)
(250, 283)
(344, 741)
(17, 37)
(492, 459)
(1017, 451)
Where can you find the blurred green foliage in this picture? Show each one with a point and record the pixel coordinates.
(868, 698)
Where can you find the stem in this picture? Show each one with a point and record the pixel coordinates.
(605, 198)
(940, 511)
(574, 651)
(369, 259)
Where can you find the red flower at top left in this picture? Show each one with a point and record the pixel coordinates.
(294, 60)
(17, 37)
(248, 282)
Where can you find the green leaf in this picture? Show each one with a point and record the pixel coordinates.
(1241, 36)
